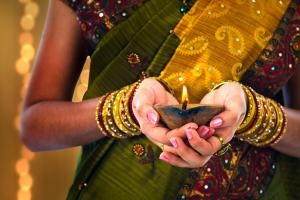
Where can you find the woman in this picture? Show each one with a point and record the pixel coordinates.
(194, 43)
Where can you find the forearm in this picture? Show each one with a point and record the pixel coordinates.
(50, 125)
(290, 143)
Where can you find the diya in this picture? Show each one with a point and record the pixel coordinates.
(175, 116)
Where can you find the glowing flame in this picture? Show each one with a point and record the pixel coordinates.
(184, 97)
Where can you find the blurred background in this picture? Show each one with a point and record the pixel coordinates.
(24, 175)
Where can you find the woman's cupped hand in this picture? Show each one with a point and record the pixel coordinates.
(191, 145)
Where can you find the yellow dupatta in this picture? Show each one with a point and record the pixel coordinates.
(219, 41)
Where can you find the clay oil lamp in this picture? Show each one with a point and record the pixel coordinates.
(175, 116)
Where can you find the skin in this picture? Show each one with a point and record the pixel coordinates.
(50, 120)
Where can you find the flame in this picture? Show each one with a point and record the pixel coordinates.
(184, 97)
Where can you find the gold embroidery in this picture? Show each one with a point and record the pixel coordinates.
(176, 80)
(212, 77)
(262, 36)
(236, 41)
(214, 50)
(193, 47)
(217, 9)
(237, 71)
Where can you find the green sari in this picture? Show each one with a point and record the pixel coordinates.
(108, 168)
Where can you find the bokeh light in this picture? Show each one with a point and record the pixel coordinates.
(27, 153)
(27, 51)
(22, 166)
(22, 66)
(25, 182)
(24, 195)
(25, 38)
(32, 9)
(27, 22)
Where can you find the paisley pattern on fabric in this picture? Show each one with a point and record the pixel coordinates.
(232, 176)
(261, 35)
(246, 171)
(279, 58)
(97, 17)
(241, 173)
(236, 41)
(223, 35)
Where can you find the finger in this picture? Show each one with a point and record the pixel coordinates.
(173, 160)
(228, 118)
(204, 147)
(187, 153)
(145, 112)
(168, 148)
(158, 135)
(225, 133)
(162, 135)
(180, 132)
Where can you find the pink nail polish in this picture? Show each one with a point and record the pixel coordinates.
(216, 122)
(210, 133)
(163, 157)
(188, 133)
(203, 131)
(152, 117)
(174, 142)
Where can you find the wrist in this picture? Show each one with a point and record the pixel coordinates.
(114, 115)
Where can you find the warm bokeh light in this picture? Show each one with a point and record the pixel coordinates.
(24, 195)
(22, 166)
(25, 182)
(26, 78)
(27, 22)
(17, 122)
(27, 51)
(23, 91)
(27, 153)
(22, 66)
(25, 38)
(32, 9)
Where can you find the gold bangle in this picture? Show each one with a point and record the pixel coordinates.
(251, 110)
(126, 107)
(115, 113)
(220, 84)
(107, 118)
(100, 101)
(257, 121)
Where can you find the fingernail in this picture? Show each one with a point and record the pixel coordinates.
(203, 131)
(174, 142)
(216, 122)
(194, 126)
(163, 157)
(152, 117)
(210, 133)
(188, 133)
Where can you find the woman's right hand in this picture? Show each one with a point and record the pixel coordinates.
(150, 93)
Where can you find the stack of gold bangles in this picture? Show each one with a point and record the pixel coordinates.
(114, 115)
(265, 122)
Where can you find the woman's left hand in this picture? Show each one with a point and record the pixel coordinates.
(203, 142)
